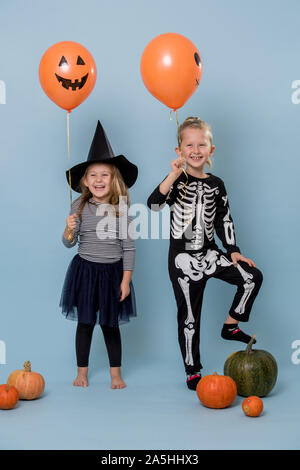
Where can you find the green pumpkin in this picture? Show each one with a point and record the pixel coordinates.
(253, 370)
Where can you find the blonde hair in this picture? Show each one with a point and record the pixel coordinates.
(197, 123)
(117, 188)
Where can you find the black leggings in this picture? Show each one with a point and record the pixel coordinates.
(83, 341)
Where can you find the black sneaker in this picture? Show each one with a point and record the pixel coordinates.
(192, 380)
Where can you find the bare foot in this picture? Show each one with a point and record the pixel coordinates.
(116, 379)
(81, 379)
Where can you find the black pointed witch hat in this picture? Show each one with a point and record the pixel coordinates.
(101, 152)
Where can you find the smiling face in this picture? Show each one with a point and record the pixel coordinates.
(196, 148)
(67, 73)
(68, 83)
(98, 179)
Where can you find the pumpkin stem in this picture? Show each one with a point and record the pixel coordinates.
(27, 366)
(249, 345)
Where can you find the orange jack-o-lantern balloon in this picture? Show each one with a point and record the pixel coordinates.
(171, 69)
(67, 74)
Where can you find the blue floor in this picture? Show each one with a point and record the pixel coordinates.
(155, 411)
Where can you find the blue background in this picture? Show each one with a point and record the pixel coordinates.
(250, 54)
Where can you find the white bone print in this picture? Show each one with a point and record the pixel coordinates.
(194, 267)
(196, 201)
(248, 288)
(228, 229)
(184, 284)
(189, 333)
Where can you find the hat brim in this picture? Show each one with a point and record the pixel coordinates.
(128, 170)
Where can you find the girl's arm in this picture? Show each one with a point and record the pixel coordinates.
(124, 287)
(73, 224)
(167, 183)
(127, 276)
(224, 223)
(128, 248)
(163, 192)
(225, 230)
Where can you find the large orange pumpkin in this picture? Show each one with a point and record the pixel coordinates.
(29, 384)
(252, 406)
(9, 396)
(216, 391)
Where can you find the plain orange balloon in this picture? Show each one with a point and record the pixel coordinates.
(171, 69)
(67, 74)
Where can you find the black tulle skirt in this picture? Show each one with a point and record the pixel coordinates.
(91, 293)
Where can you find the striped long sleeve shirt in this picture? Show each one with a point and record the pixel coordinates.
(102, 237)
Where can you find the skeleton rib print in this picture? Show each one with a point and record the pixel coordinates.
(199, 209)
(194, 204)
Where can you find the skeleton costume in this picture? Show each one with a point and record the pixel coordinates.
(198, 207)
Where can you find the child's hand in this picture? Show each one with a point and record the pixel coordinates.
(71, 222)
(238, 257)
(124, 290)
(178, 165)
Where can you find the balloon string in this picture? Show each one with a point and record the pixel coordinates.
(71, 232)
(178, 130)
(179, 145)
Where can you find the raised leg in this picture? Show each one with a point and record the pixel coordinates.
(248, 281)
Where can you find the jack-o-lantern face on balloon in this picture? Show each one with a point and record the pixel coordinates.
(171, 69)
(69, 83)
(67, 74)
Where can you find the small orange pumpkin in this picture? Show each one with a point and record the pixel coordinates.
(252, 406)
(29, 384)
(216, 391)
(9, 396)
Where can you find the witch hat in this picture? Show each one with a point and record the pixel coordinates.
(101, 152)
